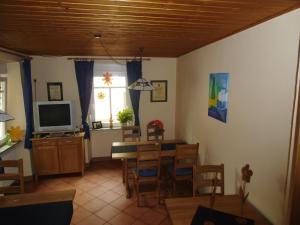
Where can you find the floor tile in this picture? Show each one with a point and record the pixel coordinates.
(80, 214)
(110, 184)
(109, 196)
(120, 189)
(92, 220)
(152, 217)
(82, 198)
(107, 213)
(166, 221)
(138, 222)
(98, 190)
(122, 203)
(135, 211)
(122, 219)
(94, 205)
(84, 185)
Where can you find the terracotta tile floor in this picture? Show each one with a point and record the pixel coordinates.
(101, 199)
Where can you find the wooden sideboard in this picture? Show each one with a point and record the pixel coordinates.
(58, 155)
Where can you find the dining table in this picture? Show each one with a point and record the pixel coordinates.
(127, 150)
(182, 210)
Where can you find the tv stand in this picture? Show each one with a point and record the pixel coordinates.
(58, 154)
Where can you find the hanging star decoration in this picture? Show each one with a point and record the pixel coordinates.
(16, 133)
(101, 95)
(107, 78)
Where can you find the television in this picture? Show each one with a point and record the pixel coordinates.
(54, 116)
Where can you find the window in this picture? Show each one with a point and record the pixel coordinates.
(110, 92)
(3, 97)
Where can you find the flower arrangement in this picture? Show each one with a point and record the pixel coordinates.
(246, 176)
(126, 115)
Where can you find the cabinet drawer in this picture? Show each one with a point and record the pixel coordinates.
(71, 141)
(45, 142)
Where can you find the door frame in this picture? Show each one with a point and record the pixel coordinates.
(292, 197)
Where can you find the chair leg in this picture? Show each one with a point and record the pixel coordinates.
(174, 187)
(138, 194)
(123, 170)
(158, 192)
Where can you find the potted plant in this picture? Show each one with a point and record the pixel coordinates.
(125, 116)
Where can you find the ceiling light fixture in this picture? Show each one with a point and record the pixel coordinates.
(5, 117)
(141, 84)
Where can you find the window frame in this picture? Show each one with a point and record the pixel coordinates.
(3, 78)
(113, 69)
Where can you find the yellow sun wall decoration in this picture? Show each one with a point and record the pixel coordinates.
(16, 133)
(101, 95)
(107, 78)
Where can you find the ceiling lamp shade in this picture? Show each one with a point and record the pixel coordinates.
(141, 84)
(5, 117)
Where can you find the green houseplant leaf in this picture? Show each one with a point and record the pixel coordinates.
(125, 115)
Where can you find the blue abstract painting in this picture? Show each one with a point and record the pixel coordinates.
(218, 96)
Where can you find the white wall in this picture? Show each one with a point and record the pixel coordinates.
(15, 107)
(60, 69)
(261, 62)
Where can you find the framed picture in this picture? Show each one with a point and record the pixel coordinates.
(97, 124)
(218, 96)
(160, 91)
(55, 91)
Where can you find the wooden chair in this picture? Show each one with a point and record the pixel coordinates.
(17, 186)
(185, 159)
(147, 171)
(208, 179)
(151, 136)
(131, 133)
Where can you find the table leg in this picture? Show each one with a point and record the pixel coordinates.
(123, 170)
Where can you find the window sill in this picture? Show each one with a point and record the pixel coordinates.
(107, 128)
(5, 148)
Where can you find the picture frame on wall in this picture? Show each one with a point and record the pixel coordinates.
(55, 91)
(160, 91)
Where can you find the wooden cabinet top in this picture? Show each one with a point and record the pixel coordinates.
(80, 135)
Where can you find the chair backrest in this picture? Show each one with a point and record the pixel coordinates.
(209, 178)
(131, 133)
(151, 135)
(148, 158)
(186, 156)
(16, 177)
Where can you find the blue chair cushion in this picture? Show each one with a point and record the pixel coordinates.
(147, 172)
(180, 171)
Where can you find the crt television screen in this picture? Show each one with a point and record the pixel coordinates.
(54, 115)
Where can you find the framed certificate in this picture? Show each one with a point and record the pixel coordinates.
(55, 91)
(160, 91)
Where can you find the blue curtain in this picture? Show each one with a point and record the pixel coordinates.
(134, 72)
(84, 74)
(27, 95)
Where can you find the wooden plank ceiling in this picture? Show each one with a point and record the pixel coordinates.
(167, 28)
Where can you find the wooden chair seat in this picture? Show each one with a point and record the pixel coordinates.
(180, 171)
